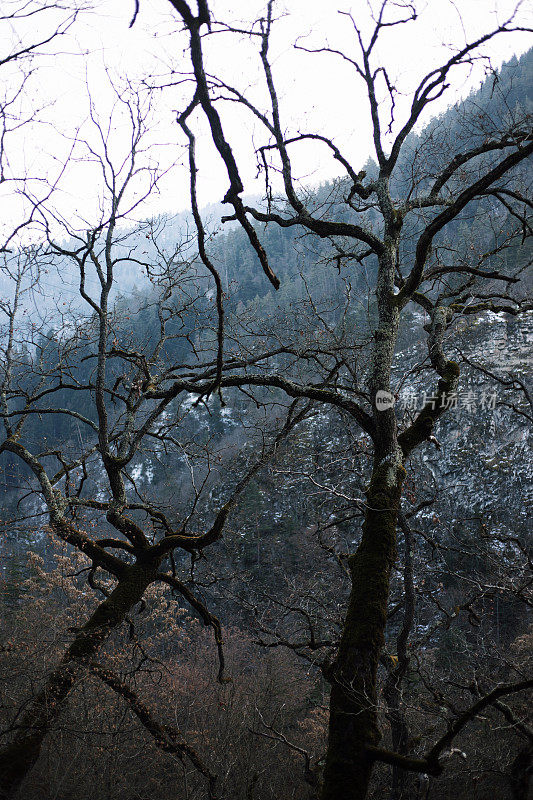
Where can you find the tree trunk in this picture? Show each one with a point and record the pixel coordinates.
(18, 757)
(353, 720)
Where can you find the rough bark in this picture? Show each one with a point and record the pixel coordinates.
(353, 723)
(19, 756)
(353, 711)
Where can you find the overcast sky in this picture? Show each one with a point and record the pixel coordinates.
(318, 92)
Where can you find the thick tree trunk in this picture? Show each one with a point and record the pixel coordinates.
(18, 757)
(353, 720)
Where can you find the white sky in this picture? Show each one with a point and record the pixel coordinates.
(318, 93)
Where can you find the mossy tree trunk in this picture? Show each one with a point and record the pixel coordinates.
(353, 720)
(19, 756)
(353, 723)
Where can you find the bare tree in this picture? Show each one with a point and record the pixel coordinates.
(130, 391)
(399, 218)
